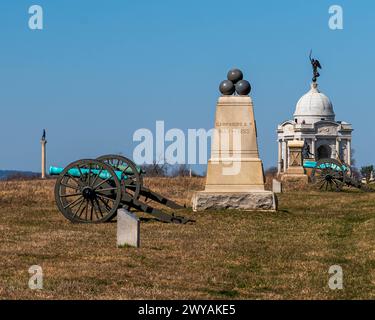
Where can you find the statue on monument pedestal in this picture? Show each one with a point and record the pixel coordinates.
(44, 135)
(315, 65)
(306, 151)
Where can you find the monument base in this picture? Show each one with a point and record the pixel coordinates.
(295, 178)
(248, 201)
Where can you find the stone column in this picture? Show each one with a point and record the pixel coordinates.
(348, 146)
(43, 142)
(287, 154)
(337, 148)
(313, 148)
(279, 158)
(285, 164)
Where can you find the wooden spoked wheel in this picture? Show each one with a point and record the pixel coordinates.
(328, 175)
(88, 191)
(131, 179)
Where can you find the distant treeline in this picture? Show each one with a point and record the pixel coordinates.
(18, 175)
(167, 170)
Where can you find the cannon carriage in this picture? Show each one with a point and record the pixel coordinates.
(332, 175)
(91, 191)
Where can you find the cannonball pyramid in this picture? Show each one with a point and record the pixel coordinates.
(235, 83)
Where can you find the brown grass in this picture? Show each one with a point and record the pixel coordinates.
(227, 254)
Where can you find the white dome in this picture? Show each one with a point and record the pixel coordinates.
(314, 106)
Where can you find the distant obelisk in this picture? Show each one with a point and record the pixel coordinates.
(43, 142)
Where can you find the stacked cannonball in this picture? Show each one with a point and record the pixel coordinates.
(235, 83)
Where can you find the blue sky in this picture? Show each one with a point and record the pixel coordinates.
(102, 69)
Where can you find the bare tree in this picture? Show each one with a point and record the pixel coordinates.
(182, 170)
(352, 159)
(366, 172)
(271, 171)
(155, 169)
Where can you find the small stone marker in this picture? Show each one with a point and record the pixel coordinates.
(128, 229)
(276, 186)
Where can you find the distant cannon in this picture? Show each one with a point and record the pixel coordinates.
(91, 191)
(331, 174)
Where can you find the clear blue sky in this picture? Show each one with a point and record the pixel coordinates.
(102, 69)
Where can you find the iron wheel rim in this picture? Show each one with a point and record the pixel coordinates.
(93, 197)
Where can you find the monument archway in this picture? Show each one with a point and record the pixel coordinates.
(324, 151)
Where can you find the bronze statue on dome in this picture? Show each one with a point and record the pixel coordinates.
(315, 65)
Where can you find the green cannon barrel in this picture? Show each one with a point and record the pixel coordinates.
(334, 166)
(103, 174)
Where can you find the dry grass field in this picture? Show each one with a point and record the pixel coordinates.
(223, 255)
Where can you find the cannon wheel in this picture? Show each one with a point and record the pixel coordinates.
(133, 183)
(328, 174)
(88, 197)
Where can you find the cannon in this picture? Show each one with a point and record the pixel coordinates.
(332, 175)
(91, 191)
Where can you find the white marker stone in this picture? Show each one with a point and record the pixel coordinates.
(276, 186)
(128, 229)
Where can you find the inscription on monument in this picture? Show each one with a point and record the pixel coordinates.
(230, 127)
(233, 124)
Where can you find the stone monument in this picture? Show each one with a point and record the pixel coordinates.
(43, 143)
(235, 178)
(128, 229)
(295, 171)
(314, 122)
(276, 186)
